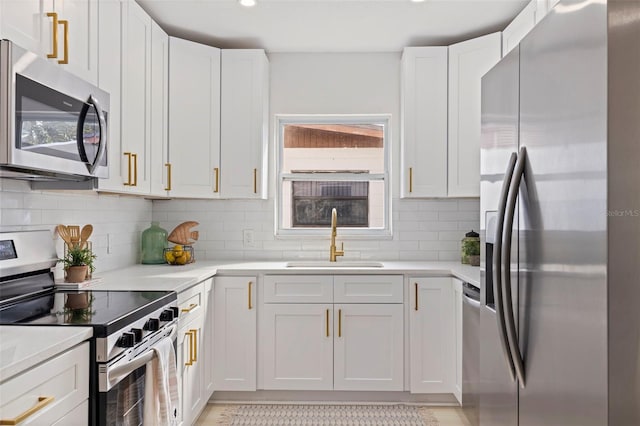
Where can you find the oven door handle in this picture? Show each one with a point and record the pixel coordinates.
(139, 361)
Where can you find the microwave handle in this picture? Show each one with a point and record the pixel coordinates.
(102, 125)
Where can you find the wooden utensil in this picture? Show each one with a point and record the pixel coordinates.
(85, 233)
(74, 234)
(63, 231)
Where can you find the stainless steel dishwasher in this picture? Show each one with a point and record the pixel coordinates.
(470, 352)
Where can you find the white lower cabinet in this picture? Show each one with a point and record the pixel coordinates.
(193, 345)
(457, 321)
(298, 346)
(234, 331)
(432, 335)
(50, 392)
(368, 348)
(315, 344)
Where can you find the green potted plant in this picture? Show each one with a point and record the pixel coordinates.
(78, 263)
(471, 250)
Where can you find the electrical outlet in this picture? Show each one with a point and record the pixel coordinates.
(248, 239)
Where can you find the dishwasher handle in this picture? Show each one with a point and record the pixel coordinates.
(471, 293)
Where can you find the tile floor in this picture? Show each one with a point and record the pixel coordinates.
(447, 416)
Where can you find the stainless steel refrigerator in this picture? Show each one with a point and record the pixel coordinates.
(560, 222)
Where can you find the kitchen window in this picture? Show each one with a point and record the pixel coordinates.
(327, 162)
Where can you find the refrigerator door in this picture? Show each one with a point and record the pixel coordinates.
(500, 107)
(563, 220)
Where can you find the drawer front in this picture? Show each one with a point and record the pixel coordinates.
(298, 289)
(49, 391)
(368, 289)
(191, 302)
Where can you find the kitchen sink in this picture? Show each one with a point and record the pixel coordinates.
(327, 264)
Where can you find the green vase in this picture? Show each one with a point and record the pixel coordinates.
(154, 240)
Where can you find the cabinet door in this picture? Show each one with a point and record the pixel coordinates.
(424, 122)
(110, 80)
(194, 119)
(297, 346)
(468, 62)
(244, 123)
(136, 98)
(431, 331)
(457, 324)
(234, 330)
(25, 22)
(207, 340)
(82, 41)
(520, 26)
(368, 348)
(190, 359)
(159, 111)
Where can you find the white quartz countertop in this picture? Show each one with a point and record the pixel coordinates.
(22, 347)
(179, 278)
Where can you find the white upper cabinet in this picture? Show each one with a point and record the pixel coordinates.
(160, 172)
(244, 123)
(468, 62)
(424, 122)
(135, 155)
(194, 119)
(65, 31)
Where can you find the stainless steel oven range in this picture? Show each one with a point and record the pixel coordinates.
(126, 324)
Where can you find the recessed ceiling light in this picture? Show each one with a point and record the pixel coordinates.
(247, 3)
(417, 1)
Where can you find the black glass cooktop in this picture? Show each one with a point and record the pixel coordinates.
(105, 311)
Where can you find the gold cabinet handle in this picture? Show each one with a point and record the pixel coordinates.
(410, 179)
(216, 171)
(42, 402)
(339, 322)
(416, 286)
(65, 26)
(190, 335)
(128, 154)
(250, 284)
(327, 321)
(194, 333)
(54, 49)
(135, 169)
(255, 181)
(190, 308)
(168, 166)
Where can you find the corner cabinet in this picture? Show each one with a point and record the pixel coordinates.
(244, 132)
(194, 120)
(234, 333)
(440, 143)
(432, 335)
(424, 122)
(348, 332)
(468, 62)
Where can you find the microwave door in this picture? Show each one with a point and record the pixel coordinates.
(91, 134)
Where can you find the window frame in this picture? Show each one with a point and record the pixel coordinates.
(352, 233)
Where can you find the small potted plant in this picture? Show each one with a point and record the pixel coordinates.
(78, 263)
(471, 250)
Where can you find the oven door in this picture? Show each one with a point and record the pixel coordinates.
(121, 384)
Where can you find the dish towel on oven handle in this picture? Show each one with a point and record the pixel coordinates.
(161, 387)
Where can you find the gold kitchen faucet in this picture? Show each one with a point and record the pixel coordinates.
(333, 253)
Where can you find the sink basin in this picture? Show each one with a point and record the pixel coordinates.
(327, 264)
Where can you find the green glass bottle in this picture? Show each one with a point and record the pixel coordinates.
(154, 240)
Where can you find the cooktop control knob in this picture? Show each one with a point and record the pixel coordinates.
(166, 315)
(127, 340)
(153, 324)
(137, 334)
(175, 311)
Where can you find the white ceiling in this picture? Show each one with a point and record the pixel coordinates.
(331, 25)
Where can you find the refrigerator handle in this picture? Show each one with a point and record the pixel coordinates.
(497, 268)
(507, 300)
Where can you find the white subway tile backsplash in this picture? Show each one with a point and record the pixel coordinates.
(422, 229)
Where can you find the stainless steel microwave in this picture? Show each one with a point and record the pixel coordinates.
(53, 125)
